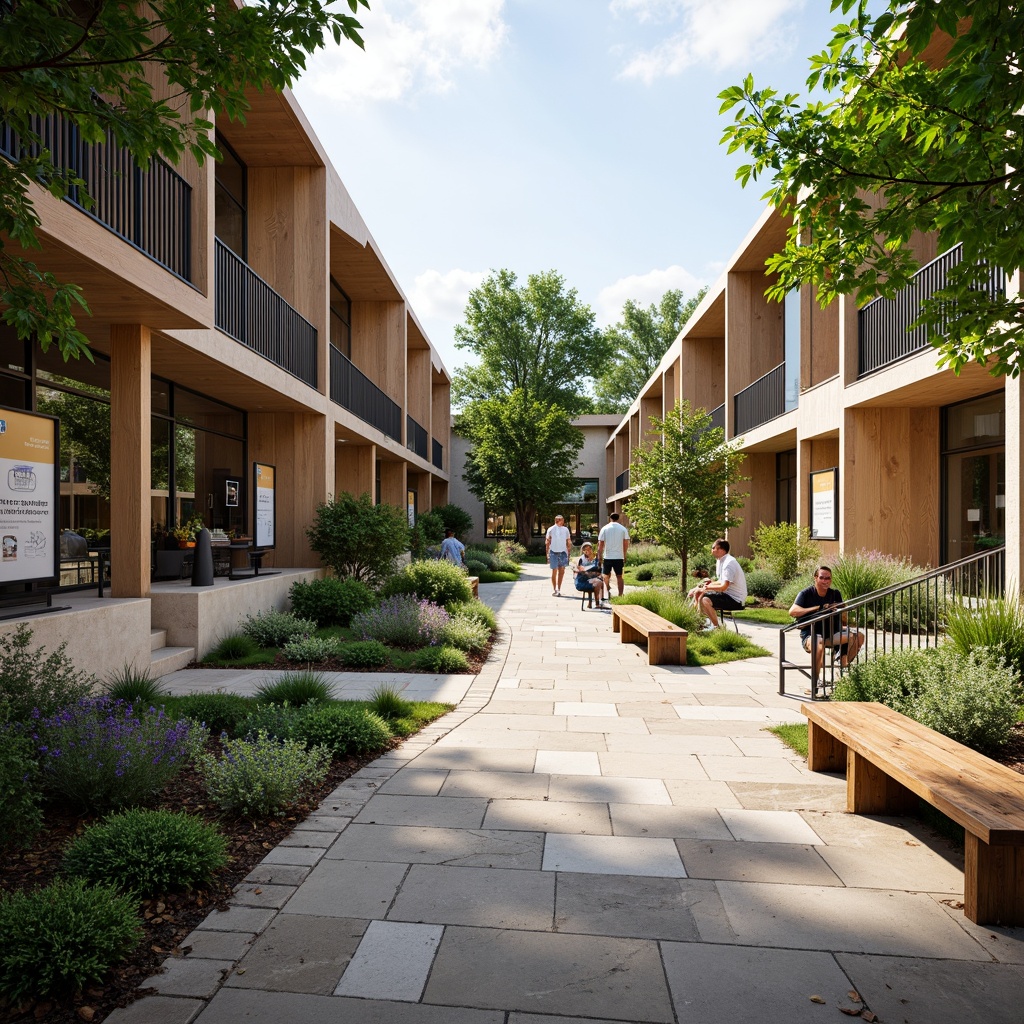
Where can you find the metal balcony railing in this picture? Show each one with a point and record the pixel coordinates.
(150, 210)
(882, 325)
(438, 453)
(718, 417)
(762, 401)
(415, 437)
(622, 482)
(353, 390)
(910, 614)
(251, 312)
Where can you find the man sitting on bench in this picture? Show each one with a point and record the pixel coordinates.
(817, 598)
(726, 592)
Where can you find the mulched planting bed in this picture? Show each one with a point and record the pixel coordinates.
(170, 918)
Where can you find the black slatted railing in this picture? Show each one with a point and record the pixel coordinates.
(438, 453)
(622, 482)
(415, 437)
(718, 417)
(882, 325)
(151, 209)
(762, 401)
(251, 312)
(353, 390)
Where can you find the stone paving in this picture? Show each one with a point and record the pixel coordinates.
(591, 839)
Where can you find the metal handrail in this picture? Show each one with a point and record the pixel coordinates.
(907, 614)
(761, 401)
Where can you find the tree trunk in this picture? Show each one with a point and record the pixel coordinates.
(683, 555)
(524, 524)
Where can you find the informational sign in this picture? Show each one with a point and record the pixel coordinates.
(29, 505)
(825, 504)
(410, 502)
(264, 504)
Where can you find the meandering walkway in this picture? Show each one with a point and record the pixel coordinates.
(593, 839)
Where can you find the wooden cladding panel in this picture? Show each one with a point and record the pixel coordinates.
(378, 345)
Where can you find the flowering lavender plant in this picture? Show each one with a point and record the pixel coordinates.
(101, 754)
(402, 621)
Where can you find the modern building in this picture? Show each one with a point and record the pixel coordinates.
(243, 321)
(848, 424)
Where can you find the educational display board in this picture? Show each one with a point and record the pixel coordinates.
(29, 497)
(264, 503)
(825, 504)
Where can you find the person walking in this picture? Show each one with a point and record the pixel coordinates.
(452, 549)
(612, 545)
(557, 544)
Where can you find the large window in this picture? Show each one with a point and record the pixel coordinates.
(785, 486)
(341, 320)
(579, 508)
(231, 200)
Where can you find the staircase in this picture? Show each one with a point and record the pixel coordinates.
(164, 659)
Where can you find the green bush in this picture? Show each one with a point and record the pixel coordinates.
(147, 853)
(343, 729)
(294, 688)
(482, 556)
(642, 552)
(261, 777)
(234, 647)
(312, 648)
(388, 703)
(330, 601)
(274, 629)
(475, 568)
(997, 624)
(219, 712)
(644, 573)
(135, 686)
(478, 610)
(784, 549)
(512, 550)
(788, 591)
(666, 569)
(702, 562)
(56, 940)
(862, 572)
(364, 654)
(466, 633)
(763, 583)
(359, 539)
(441, 659)
(436, 581)
(20, 795)
(669, 604)
(32, 679)
(431, 525)
(278, 721)
(454, 518)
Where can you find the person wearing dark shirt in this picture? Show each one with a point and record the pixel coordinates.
(819, 597)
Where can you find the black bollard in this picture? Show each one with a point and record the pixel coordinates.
(202, 560)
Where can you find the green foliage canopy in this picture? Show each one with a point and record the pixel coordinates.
(907, 140)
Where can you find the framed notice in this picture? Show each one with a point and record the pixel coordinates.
(410, 507)
(29, 497)
(264, 503)
(825, 504)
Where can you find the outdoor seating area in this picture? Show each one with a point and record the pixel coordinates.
(666, 642)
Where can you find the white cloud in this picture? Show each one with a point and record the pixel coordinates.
(438, 296)
(714, 33)
(643, 289)
(411, 46)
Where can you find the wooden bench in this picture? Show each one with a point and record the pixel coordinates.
(474, 583)
(666, 642)
(891, 760)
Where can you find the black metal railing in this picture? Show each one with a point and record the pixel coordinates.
(718, 417)
(415, 437)
(622, 482)
(151, 209)
(353, 390)
(910, 614)
(883, 334)
(761, 401)
(251, 312)
(437, 451)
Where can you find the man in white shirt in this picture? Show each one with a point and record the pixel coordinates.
(727, 591)
(556, 546)
(612, 545)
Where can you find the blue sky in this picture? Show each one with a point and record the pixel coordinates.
(574, 135)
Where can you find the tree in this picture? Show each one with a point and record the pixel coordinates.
(537, 338)
(635, 346)
(909, 139)
(93, 63)
(524, 455)
(686, 485)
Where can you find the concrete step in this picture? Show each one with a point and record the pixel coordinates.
(157, 639)
(169, 659)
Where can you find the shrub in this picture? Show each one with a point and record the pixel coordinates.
(277, 721)
(102, 754)
(454, 518)
(294, 688)
(466, 633)
(54, 941)
(262, 777)
(234, 647)
(312, 648)
(862, 572)
(644, 573)
(512, 550)
(481, 556)
(147, 852)
(344, 730)
(438, 581)
(997, 624)
(669, 604)
(330, 601)
(665, 568)
(442, 659)
(388, 703)
(703, 562)
(357, 538)
(135, 686)
(784, 549)
(478, 610)
(643, 552)
(475, 568)
(31, 680)
(431, 525)
(364, 654)
(274, 629)
(20, 797)
(763, 583)
(402, 621)
(789, 590)
(219, 712)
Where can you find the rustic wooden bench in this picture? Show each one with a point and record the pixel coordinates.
(474, 582)
(666, 642)
(891, 760)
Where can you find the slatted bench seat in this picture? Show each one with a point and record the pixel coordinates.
(891, 760)
(666, 642)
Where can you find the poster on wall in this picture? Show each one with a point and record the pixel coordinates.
(410, 503)
(825, 504)
(264, 503)
(29, 499)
